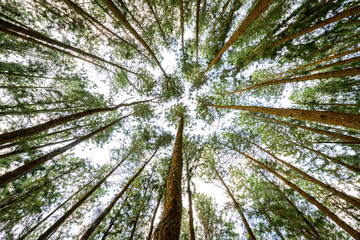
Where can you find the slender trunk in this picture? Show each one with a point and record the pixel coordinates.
(67, 214)
(154, 215)
(347, 13)
(139, 211)
(237, 206)
(331, 74)
(131, 15)
(313, 230)
(181, 15)
(218, 19)
(24, 87)
(37, 35)
(260, 7)
(30, 131)
(191, 218)
(319, 131)
(203, 7)
(56, 209)
(11, 175)
(328, 117)
(349, 199)
(355, 234)
(99, 219)
(327, 104)
(325, 60)
(127, 25)
(170, 223)
(197, 29)
(114, 219)
(157, 21)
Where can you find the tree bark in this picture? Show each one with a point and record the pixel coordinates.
(154, 215)
(157, 21)
(99, 219)
(181, 8)
(331, 74)
(218, 19)
(355, 234)
(237, 206)
(335, 118)
(260, 7)
(170, 223)
(197, 29)
(9, 176)
(127, 25)
(191, 218)
(340, 136)
(30, 131)
(67, 214)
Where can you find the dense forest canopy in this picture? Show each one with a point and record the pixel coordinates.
(254, 133)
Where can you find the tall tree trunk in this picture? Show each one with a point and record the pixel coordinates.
(218, 19)
(191, 218)
(9, 176)
(127, 25)
(260, 7)
(55, 210)
(237, 206)
(197, 29)
(181, 16)
(154, 215)
(30, 131)
(331, 74)
(157, 21)
(355, 234)
(99, 219)
(349, 199)
(170, 223)
(313, 230)
(67, 214)
(132, 16)
(335, 118)
(319, 131)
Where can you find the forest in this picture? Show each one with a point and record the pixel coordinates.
(180, 119)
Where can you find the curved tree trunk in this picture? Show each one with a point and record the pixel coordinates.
(9, 176)
(260, 7)
(67, 214)
(243, 218)
(355, 234)
(99, 219)
(170, 223)
(334, 118)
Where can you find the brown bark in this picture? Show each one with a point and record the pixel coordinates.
(157, 21)
(355, 234)
(197, 29)
(237, 206)
(347, 13)
(191, 218)
(328, 117)
(327, 104)
(56, 209)
(347, 198)
(127, 25)
(218, 19)
(181, 15)
(170, 223)
(343, 62)
(331, 74)
(154, 215)
(203, 6)
(319, 131)
(67, 214)
(11, 175)
(260, 7)
(99, 219)
(132, 16)
(31, 131)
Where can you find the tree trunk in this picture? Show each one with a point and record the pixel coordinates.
(236, 204)
(335, 118)
(56, 209)
(157, 21)
(154, 215)
(197, 29)
(319, 131)
(260, 7)
(30, 131)
(218, 19)
(355, 234)
(181, 14)
(170, 223)
(67, 214)
(127, 25)
(9, 176)
(331, 74)
(349, 199)
(191, 218)
(98, 220)
(313, 230)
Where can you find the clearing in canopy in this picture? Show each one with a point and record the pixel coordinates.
(180, 119)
